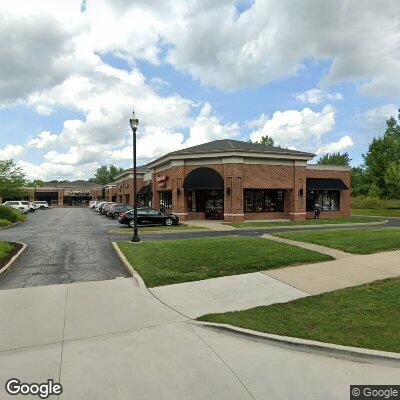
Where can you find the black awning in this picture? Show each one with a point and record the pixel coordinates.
(325, 184)
(203, 178)
(145, 189)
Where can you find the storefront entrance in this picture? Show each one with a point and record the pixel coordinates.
(214, 204)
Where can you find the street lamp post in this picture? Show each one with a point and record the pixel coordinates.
(134, 122)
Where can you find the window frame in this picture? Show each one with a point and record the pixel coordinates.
(323, 197)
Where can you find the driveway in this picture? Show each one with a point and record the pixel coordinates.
(65, 245)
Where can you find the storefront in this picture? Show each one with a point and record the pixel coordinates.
(234, 181)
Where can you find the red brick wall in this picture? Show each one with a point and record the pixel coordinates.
(125, 190)
(345, 176)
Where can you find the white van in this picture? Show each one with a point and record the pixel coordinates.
(18, 205)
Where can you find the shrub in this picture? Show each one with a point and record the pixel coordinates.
(4, 223)
(11, 214)
(373, 202)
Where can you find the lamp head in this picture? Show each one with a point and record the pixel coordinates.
(134, 121)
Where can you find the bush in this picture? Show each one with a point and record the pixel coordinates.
(373, 202)
(11, 214)
(4, 223)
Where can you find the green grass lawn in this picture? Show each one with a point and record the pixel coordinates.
(357, 241)
(176, 261)
(382, 212)
(158, 229)
(5, 249)
(321, 221)
(364, 316)
(5, 223)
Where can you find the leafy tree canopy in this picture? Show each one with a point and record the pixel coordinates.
(106, 174)
(266, 140)
(12, 179)
(335, 159)
(382, 161)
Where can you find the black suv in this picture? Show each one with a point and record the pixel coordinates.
(149, 216)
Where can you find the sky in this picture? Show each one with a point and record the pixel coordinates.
(317, 76)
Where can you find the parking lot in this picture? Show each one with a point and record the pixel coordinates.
(65, 245)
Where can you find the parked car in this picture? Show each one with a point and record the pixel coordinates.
(106, 206)
(116, 210)
(41, 205)
(17, 205)
(92, 204)
(30, 206)
(149, 216)
(98, 206)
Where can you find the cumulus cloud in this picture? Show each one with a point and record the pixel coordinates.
(376, 117)
(316, 96)
(11, 151)
(342, 144)
(43, 140)
(295, 128)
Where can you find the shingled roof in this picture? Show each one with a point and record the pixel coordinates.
(228, 145)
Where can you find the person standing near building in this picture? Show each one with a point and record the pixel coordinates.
(317, 210)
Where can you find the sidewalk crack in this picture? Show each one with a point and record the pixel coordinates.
(225, 363)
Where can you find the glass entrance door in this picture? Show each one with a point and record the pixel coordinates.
(214, 204)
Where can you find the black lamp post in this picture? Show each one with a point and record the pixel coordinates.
(134, 122)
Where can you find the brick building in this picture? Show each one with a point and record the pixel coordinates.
(65, 193)
(236, 181)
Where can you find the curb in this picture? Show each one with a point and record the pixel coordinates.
(110, 232)
(14, 258)
(329, 349)
(346, 225)
(12, 225)
(128, 266)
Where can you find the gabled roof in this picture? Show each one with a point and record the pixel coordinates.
(230, 145)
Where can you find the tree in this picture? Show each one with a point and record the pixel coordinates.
(12, 179)
(106, 174)
(382, 152)
(35, 182)
(392, 181)
(266, 140)
(335, 159)
(360, 182)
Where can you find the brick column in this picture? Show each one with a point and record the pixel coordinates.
(178, 193)
(298, 194)
(60, 197)
(233, 192)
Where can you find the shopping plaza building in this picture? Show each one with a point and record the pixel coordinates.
(233, 180)
(226, 180)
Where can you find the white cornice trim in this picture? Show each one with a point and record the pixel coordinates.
(328, 167)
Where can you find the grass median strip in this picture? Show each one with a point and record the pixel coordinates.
(176, 261)
(362, 316)
(356, 241)
(5, 249)
(382, 212)
(159, 229)
(321, 221)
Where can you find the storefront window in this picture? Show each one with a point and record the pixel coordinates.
(263, 200)
(249, 200)
(166, 200)
(329, 200)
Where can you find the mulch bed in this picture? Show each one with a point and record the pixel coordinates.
(16, 248)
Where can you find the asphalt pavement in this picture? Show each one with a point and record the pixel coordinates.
(65, 245)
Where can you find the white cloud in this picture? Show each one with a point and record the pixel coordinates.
(342, 144)
(376, 117)
(207, 127)
(43, 140)
(48, 171)
(11, 151)
(293, 128)
(316, 96)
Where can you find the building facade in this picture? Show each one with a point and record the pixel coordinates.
(234, 181)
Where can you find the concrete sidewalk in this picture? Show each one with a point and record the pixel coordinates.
(228, 293)
(346, 271)
(112, 340)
